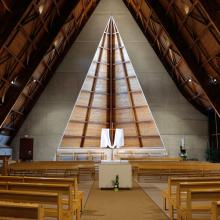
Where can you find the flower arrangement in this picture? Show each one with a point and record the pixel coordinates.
(116, 183)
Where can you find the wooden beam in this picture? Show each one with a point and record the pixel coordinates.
(17, 11)
(98, 136)
(170, 68)
(90, 122)
(198, 71)
(111, 84)
(212, 10)
(71, 34)
(132, 122)
(133, 107)
(89, 107)
(14, 92)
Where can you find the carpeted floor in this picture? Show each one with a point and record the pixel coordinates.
(131, 204)
(153, 188)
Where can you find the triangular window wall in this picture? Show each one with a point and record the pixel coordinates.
(111, 97)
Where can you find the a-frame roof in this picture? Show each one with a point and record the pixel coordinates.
(35, 36)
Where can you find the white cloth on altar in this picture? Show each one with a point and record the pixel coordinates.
(119, 138)
(105, 138)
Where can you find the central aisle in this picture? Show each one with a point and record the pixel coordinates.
(123, 205)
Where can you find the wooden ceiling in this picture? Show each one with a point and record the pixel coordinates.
(111, 97)
(36, 34)
(186, 36)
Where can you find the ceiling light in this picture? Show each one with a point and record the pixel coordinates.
(55, 43)
(213, 80)
(34, 80)
(12, 82)
(186, 9)
(190, 80)
(40, 9)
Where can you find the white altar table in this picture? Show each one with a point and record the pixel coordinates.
(108, 171)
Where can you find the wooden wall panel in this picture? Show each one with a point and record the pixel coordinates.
(131, 142)
(111, 97)
(70, 142)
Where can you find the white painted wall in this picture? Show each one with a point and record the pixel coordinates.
(174, 116)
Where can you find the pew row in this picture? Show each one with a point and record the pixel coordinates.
(51, 201)
(65, 190)
(174, 168)
(147, 158)
(53, 168)
(204, 197)
(77, 195)
(168, 193)
(21, 210)
(180, 198)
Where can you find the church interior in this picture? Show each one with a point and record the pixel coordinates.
(110, 109)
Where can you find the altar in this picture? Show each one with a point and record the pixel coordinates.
(108, 170)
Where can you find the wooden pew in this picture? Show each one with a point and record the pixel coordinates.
(21, 210)
(45, 198)
(5, 159)
(47, 169)
(85, 169)
(52, 168)
(206, 196)
(64, 189)
(174, 168)
(77, 195)
(215, 210)
(168, 193)
(147, 158)
(181, 190)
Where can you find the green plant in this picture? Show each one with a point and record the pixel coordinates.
(116, 183)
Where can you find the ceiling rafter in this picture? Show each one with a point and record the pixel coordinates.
(12, 15)
(166, 49)
(49, 62)
(199, 72)
(13, 92)
(5, 5)
(212, 10)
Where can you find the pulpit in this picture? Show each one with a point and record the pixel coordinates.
(108, 170)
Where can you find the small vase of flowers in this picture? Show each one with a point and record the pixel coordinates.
(116, 183)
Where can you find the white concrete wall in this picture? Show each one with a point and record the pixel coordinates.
(174, 116)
